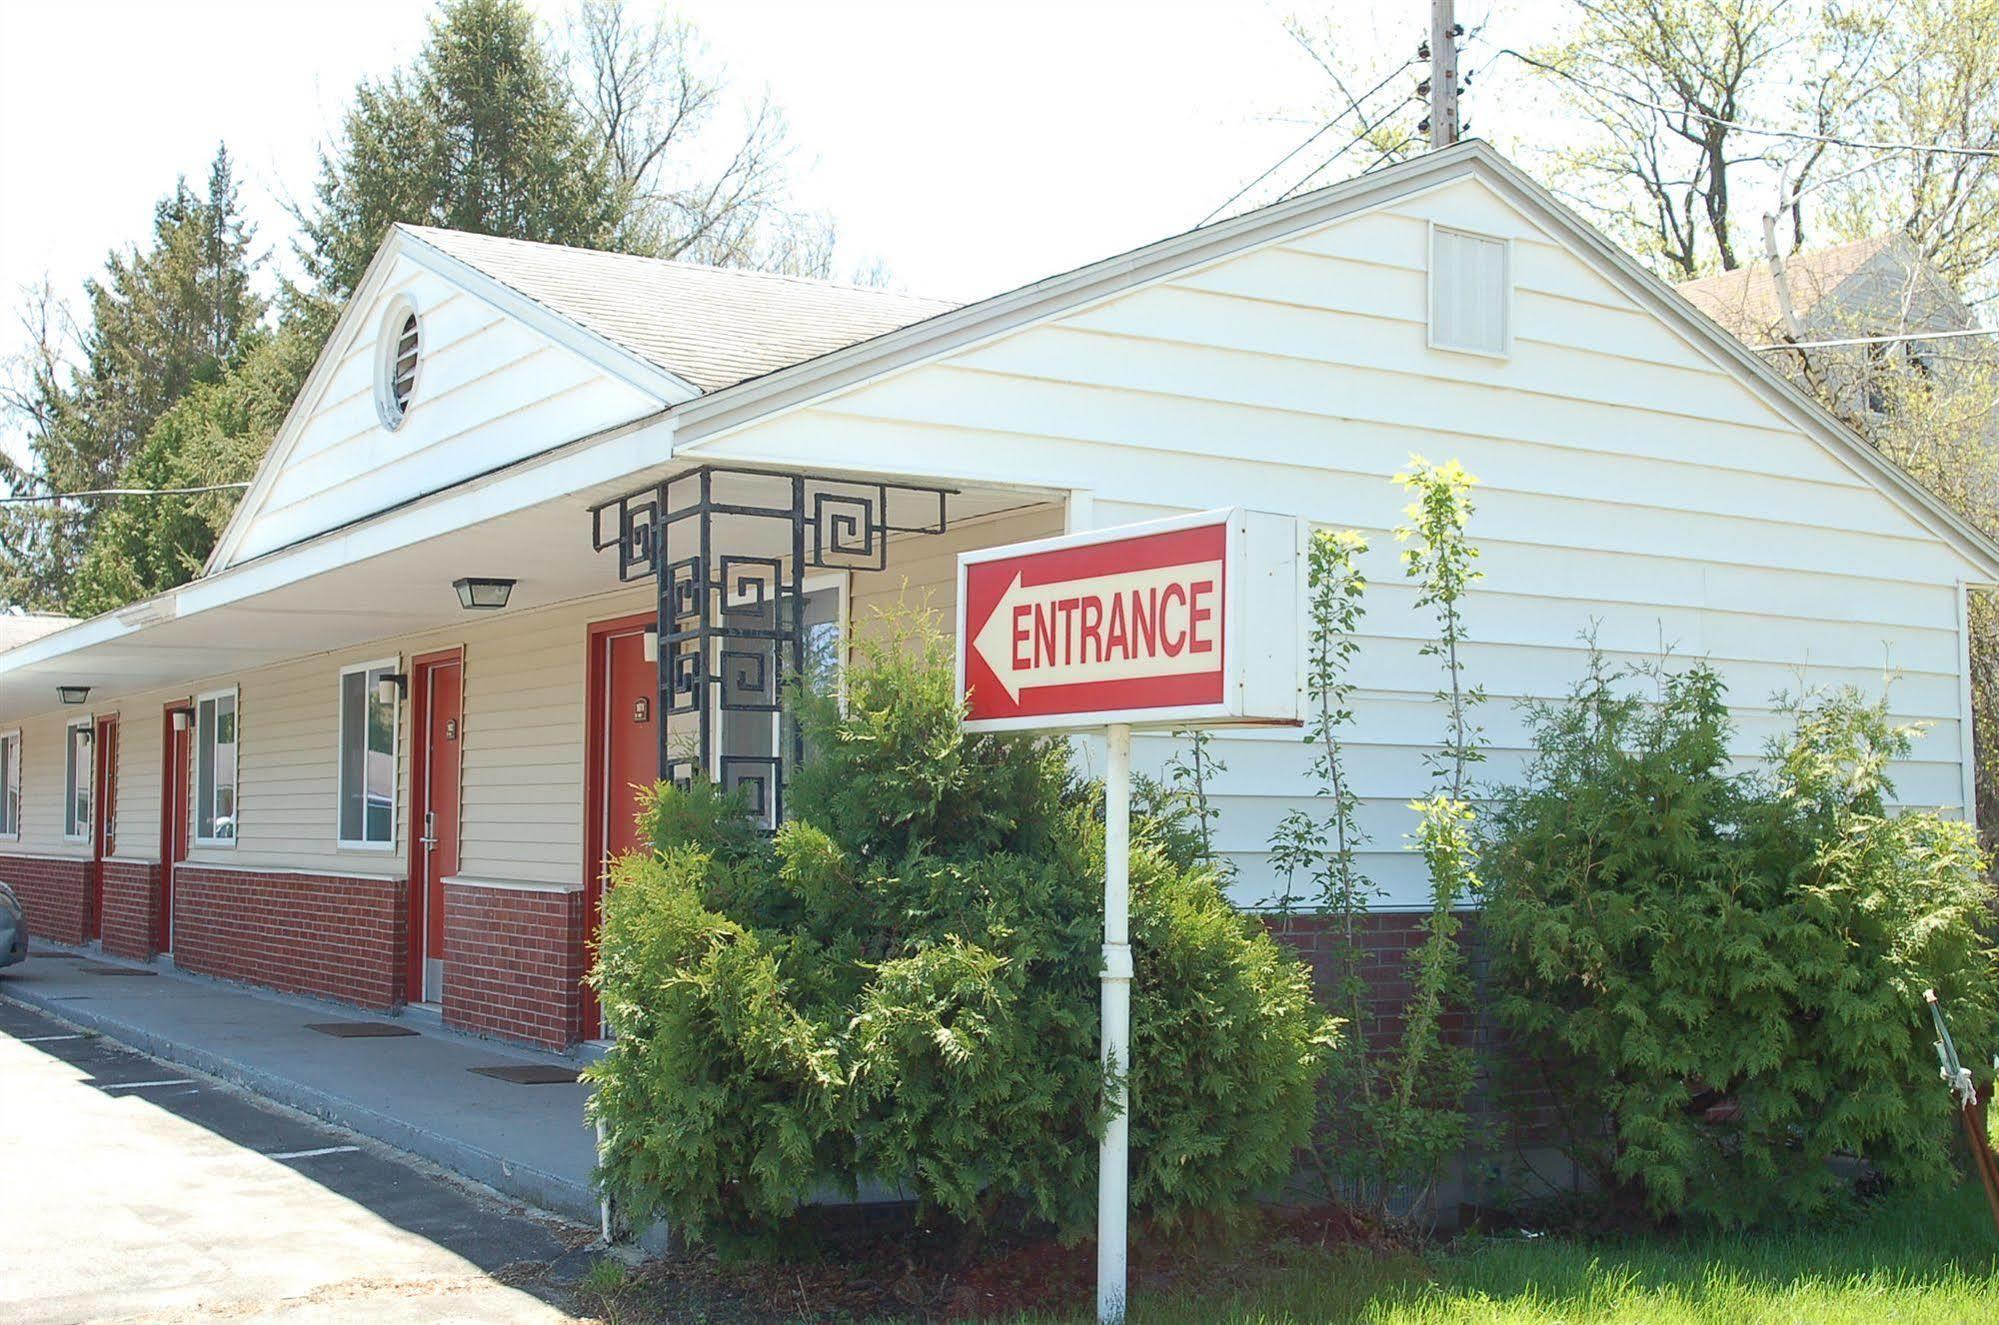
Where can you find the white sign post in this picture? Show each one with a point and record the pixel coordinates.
(1188, 622)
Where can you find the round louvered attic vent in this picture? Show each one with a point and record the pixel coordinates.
(396, 363)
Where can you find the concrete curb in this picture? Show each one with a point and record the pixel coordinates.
(535, 1186)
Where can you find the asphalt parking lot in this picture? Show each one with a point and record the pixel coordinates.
(135, 1190)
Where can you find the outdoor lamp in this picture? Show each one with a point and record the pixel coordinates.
(73, 694)
(481, 593)
(183, 719)
(390, 685)
(652, 644)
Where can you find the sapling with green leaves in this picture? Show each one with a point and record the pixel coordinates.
(1190, 774)
(1428, 1077)
(1315, 854)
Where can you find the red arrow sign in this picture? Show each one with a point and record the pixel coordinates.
(1111, 627)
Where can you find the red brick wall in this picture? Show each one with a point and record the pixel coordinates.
(326, 935)
(54, 892)
(131, 908)
(513, 963)
(1386, 940)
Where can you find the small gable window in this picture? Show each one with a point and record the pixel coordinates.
(1471, 292)
(397, 359)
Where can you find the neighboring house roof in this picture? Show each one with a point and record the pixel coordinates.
(19, 628)
(710, 326)
(1745, 300)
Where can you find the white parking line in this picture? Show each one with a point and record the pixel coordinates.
(44, 1039)
(147, 1085)
(311, 1154)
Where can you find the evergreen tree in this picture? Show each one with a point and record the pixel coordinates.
(217, 433)
(479, 134)
(162, 320)
(166, 319)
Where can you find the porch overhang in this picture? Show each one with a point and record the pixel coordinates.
(385, 578)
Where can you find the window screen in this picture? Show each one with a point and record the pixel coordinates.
(10, 785)
(215, 769)
(367, 758)
(76, 782)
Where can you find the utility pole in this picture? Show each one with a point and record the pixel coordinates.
(1444, 34)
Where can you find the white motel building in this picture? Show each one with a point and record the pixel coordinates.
(546, 524)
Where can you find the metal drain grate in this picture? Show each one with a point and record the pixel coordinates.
(101, 968)
(529, 1074)
(358, 1030)
(55, 956)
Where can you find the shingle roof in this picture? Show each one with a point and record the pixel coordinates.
(21, 627)
(710, 326)
(1745, 300)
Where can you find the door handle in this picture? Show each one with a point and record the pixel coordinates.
(429, 838)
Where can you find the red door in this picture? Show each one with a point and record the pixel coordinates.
(624, 757)
(438, 684)
(178, 738)
(104, 833)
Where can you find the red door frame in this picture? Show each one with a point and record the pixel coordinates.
(103, 809)
(595, 752)
(419, 765)
(175, 793)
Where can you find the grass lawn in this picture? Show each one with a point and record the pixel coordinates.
(1931, 1261)
(1904, 1261)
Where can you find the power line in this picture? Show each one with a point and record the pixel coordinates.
(120, 492)
(1875, 340)
(1350, 144)
(1756, 130)
(1323, 129)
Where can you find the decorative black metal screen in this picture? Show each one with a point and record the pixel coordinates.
(730, 550)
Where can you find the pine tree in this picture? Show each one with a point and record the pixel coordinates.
(479, 134)
(217, 433)
(161, 321)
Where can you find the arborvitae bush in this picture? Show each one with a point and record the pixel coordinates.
(900, 988)
(1717, 977)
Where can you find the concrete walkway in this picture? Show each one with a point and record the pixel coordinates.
(416, 1092)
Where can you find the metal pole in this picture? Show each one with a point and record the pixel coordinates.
(1113, 1158)
(1443, 74)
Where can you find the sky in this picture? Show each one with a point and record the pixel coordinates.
(971, 146)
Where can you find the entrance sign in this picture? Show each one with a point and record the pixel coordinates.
(1192, 621)
(1188, 622)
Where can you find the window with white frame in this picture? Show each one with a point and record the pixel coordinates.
(10, 783)
(215, 765)
(1471, 292)
(78, 781)
(368, 724)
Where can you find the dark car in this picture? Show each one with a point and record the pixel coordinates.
(13, 928)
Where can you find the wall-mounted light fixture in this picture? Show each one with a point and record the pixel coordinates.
(482, 593)
(73, 694)
(652, 644)
(183, 719)
(390, 686)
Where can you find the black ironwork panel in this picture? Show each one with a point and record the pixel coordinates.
(728, 549)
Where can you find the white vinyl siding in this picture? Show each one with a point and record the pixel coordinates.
(490, 390)
(368, 734)
(1629, 480)
(1471, 292)
(78, 785)
(217, 768)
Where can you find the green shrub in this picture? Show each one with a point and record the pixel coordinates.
(1718, 976)
(901, 987)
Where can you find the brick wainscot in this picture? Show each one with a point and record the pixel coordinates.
(513, 961)
(132, 920)
(331, 936)
(55, 893)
